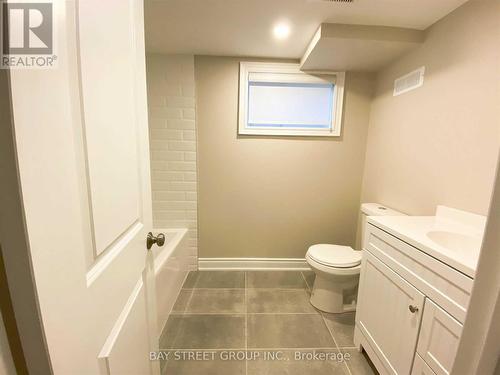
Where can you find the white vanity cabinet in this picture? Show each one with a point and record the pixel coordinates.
(385, 318)
(410, 307)
(438, 339)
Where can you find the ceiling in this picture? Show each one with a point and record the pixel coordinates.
(244, 27)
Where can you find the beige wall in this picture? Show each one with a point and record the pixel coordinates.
(439, 143)
(274, 197)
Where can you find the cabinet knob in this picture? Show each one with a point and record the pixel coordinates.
(413, 309)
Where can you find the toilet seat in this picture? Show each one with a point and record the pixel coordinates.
(335, 256)
(334, 271)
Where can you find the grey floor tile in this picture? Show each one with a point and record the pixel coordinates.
(182, 301)
(214, 363)
(278, 301)
(275, 279)
(215, 279)
(288, 331)
(309, 276)
(300, 362)
(222, 301)
(342, 327)
(359, 363)
(209, 315)
(204, 332)
(190, 279)
(169, 332)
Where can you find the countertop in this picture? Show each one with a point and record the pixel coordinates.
(463, 232)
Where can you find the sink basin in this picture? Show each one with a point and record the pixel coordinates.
(455, 241)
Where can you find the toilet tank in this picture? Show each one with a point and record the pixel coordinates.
(374, 209)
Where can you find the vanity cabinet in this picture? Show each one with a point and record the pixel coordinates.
(385, 318)
(438, 339)
(410, 307)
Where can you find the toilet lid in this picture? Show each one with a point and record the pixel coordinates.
(335, 255)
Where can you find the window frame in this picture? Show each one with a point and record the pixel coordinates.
(294, 75)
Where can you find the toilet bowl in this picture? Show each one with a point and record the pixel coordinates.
(337, 268)
(337, 271)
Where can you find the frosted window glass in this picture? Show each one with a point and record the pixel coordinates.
(290, 105)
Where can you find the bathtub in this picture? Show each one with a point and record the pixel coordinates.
(171, 266)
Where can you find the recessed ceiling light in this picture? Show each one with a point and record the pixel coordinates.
(281, 30)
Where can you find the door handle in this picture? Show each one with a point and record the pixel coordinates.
(152, 239)
(413, 309)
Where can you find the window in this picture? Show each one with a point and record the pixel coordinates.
(279, 99)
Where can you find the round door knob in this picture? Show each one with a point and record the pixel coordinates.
(152, 239)
(413, 309)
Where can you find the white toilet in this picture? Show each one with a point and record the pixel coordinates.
(337, 268)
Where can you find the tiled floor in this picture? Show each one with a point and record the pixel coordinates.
(256, 323)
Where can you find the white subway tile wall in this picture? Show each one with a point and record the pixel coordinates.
(172, 131)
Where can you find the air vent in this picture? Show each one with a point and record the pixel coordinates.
(409, 82)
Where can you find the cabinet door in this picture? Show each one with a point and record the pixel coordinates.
(421, 368)
(438, 340)
(384, 315)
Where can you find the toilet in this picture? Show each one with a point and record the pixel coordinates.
(337, 268)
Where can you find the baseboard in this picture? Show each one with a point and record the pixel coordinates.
(290, 264)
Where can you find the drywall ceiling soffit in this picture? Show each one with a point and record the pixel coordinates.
(338, 47)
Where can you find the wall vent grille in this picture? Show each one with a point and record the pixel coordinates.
(409, 82)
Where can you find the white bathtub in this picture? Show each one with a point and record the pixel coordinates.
(171, 268)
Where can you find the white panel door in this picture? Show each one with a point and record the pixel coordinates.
(421, 368)
(106, 50)
(83, 155)
(384, 317)
(439, 337)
